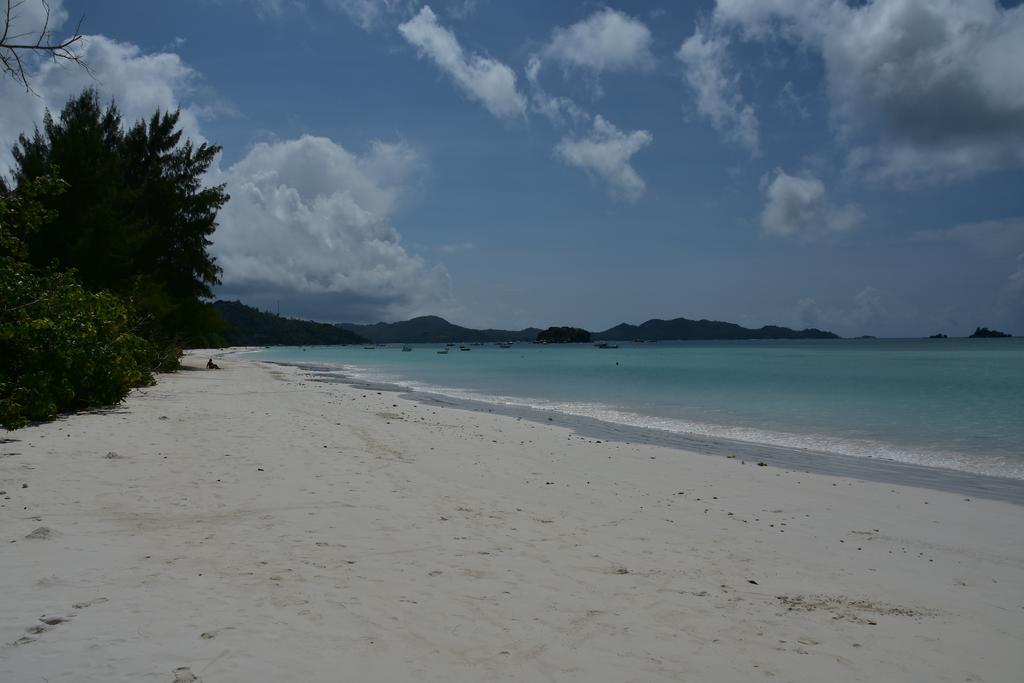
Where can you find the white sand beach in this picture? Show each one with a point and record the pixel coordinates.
(254, 524)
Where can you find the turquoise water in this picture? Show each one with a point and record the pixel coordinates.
(953, 403)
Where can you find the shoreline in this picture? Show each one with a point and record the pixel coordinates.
(255, 524)
(881, 470)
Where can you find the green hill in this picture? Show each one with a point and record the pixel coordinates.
(246, 326)
(431, 329)
(684, 329)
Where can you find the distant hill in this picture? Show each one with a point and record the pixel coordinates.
(985, 333)
(683, 329)
(430, 329)
(436, 330)
(246, 326)
(564, 335)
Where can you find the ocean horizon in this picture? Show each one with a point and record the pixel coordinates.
(953, 404)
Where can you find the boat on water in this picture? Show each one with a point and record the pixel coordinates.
(606, 345)
(443, 351)
(370, 348)
(465, 348)
(505, 345)
(406, 348)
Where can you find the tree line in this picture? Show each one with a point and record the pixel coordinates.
(105, 269)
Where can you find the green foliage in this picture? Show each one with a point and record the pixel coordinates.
(61, 346)
(246, 326)
(135, 219)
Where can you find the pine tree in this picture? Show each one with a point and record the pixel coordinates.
(136, 218)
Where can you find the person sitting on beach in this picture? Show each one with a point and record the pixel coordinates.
(210, 365)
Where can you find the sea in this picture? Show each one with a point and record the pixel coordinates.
(937, 409)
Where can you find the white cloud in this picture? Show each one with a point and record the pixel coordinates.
(307, 218)
(797, 206)
(558, 109)
(923, 90)
(29, 17)
(808, 312)
(605, 154)
(708, 72)
(481, 78)
(607, 40)
(368, 14)
(139, 82)
(869, 307)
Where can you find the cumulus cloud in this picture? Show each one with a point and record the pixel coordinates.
(607, 40)
(869, 307)
(808, 312)
(307, 218)
(797, 206)
(559, 109)
(921, 90)
(308, 222)
(605, 154)
(484, 79)
(710, 74)
(139, 82)
(29, 18)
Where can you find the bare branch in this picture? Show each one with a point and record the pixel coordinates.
(14, 46)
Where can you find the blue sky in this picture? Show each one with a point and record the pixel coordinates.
(852, 167)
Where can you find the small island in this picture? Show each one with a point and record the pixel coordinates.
(563, 335)
(985, 333)
(939, 336)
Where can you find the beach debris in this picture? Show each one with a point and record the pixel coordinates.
(24, 486)
(113, 455)
(753, 582)
(762, 464)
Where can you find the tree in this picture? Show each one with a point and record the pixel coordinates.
(136, 218)
(61, 347)
(15, 43)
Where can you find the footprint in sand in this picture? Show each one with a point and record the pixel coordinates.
(42, 533)
(183, 674)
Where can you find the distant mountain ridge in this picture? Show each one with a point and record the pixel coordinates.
(431, 329)
(437, 330)
(707, 330)
(247, 326)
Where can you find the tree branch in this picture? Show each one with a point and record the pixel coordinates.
(12, 47)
